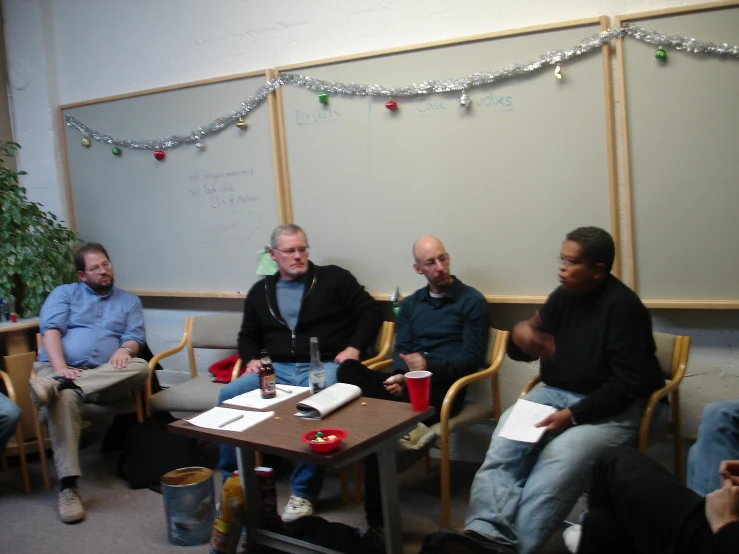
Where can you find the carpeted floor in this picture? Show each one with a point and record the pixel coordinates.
(121, 520)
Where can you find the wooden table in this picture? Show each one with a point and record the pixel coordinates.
(16, 339)
(372, 428)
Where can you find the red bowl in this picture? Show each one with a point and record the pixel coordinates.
(322, 447)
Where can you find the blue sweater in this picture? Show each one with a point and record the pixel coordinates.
(451, 332)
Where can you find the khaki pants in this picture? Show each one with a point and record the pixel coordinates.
(100, 385)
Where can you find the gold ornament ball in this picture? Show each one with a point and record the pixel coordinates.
(241, 124)
(86, 142)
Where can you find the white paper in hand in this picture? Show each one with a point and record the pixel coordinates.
(520, 423)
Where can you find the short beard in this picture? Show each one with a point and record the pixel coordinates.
(102, 289)
(297, 274)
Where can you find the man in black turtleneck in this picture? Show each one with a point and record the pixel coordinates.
(593, 337)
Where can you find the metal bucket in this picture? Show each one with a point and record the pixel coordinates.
(189, 505)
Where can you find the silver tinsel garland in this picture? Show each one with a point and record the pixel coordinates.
(461, 84)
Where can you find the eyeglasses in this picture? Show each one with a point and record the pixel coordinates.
(100, 268)
(568, 262)
(290, 251)
(428, 264)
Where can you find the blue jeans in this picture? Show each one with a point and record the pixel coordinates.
(307, 479)
(519, 499)
(718, 440)
(10, 415)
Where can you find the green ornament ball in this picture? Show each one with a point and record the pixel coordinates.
(319, 435)
(323, 98)
(396, 310)
(660, 54)
(116, 151)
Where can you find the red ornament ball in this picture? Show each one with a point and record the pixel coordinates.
(391, 105)
(159, 155)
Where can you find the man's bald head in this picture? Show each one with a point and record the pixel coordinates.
(432, 261)
(425, 243)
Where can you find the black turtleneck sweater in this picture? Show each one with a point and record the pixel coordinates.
(604, 349)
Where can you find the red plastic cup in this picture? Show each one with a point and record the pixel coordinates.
(419, 389)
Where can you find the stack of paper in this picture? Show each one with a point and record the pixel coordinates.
(226, 419)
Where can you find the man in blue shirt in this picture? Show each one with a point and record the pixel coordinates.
(91, 332)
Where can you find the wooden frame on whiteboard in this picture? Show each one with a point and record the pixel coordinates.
(626, 163)
(284, 205)
(279, 147)
(603, 21)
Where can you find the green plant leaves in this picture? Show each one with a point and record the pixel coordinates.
(36, 251)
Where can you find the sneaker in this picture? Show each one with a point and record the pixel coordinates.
(296, 508)
(70, 506)
(43, 390)
(572, 536)
(373, 539)
(421, 438)
(414, 446)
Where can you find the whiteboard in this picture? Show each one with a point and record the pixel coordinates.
(500, 183)
(194, 221)
(683, 129)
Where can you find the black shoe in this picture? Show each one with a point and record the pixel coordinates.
(469, 542)
(489, 544)
(373, 540)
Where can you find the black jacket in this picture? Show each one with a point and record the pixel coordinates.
(335, 308)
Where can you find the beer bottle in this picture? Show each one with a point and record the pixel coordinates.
(267, 379)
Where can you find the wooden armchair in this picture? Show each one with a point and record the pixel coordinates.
(199, 393)
(485, 385)
(672, 355)
(24, 440)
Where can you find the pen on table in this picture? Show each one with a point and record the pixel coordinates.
(235, 418)
(288, 391)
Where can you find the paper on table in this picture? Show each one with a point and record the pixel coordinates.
(253, 399)
(520, 423)
(215, 417)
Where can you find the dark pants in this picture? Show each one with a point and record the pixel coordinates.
(371, 384)
(636, 505)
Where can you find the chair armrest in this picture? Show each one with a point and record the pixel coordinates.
(156, 359)
(375, 359)
(656, 396)
(8, 385)
(535, 380)
(386, 343)
(237, 368)
(491, 372)
(379, 365)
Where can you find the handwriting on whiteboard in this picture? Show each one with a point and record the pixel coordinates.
(318, 116)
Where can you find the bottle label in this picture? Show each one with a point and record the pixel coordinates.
(269, 384)
(317, 381)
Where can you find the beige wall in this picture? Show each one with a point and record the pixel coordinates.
(6, 128)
